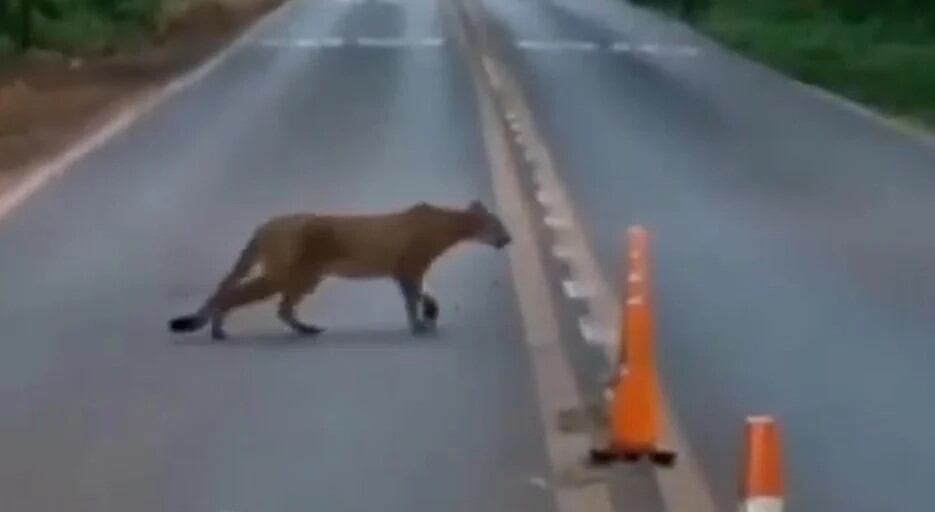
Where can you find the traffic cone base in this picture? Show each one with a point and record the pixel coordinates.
(664, 458)
(605, 456)
(601, 456)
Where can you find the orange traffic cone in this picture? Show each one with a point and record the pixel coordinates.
(636, 413)
(762, 487)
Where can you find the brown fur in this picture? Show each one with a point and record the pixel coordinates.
(295, 252)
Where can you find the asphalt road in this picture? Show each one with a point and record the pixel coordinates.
(104, 410)
(793, 241)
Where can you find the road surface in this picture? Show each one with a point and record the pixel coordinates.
(793, 240)
(104, 410)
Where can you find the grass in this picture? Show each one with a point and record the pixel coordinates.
(7, 47)
(79, 26)
(871, 52)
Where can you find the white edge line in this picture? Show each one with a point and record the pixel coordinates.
(38, 175)
(867, 112)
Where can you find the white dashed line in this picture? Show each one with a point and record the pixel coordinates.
(621, 47)
(328, 42)
(376, 42)
(557, 45)
(431, 41)
(332, 42)
(359, 2)
(688, 51)
(363, 42)
(615, 47)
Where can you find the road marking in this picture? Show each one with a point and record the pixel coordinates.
(538, 481)
(594, 333)
(563, 252)
(491, 73)
(364, 42)
(556, 222)
(654, 49)
(553, 377)
(557, 45)
(682, 487)
(391, 42)
(361, 2)
(37, 176)
(575, 289)
(327, 42)
(431, 41)
(688, 51)
(537, 176)
(544, 198)
(648, 48)
(380, 42)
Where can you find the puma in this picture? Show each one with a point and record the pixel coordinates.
(296, 252)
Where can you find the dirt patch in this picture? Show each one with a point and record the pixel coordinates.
(48, 100)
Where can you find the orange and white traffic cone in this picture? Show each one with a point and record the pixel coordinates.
(638, 301)
(636, 412)
(761, 487)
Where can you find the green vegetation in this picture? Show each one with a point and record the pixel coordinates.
(877, 52)
(74, 25)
